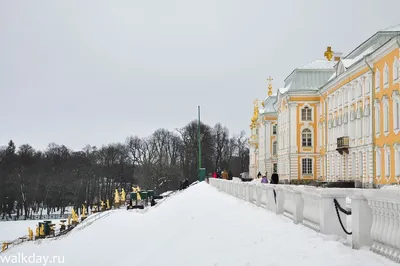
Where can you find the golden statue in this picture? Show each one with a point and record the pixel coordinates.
(269, 85)
(102, 205)
(69, 220)
(30, 234)
(41, 230)
(116, 196)
(83, 211)
(123, 195)
(37, 231)
(74, 216)
(108, 204)
(138, 194)
(328, 53)
(4, 246)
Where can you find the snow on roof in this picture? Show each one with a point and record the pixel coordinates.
(319, 64)
(348, 62)
(283, 90)
(269, 104)
(393, 28)
(332, 77)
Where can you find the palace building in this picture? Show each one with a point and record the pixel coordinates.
(335, 119)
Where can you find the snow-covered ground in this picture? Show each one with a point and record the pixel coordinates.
(199, 226)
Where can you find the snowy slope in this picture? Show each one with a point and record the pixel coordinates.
(200, 226)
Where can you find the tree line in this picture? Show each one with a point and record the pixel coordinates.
(33, 180)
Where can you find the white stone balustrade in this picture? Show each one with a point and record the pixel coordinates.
(375, 213)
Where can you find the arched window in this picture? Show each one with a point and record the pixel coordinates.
(395, 69)
(306, 138)
(367, 86)
(360, 89)
(377, 79)
(378, 161)
(274, 146)
(387, 162)
(385, 76)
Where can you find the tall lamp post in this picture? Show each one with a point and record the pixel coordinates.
(201, 171)
(199, 135)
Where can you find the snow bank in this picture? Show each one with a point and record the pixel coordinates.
(199, 226)
(391, 187)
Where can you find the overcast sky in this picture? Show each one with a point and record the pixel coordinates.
(93, 72)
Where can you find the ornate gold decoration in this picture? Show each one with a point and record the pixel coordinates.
(328, 53)
(254, 119)
(270, 86)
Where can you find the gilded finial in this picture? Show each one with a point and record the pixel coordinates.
(328, 53)
(270, 86)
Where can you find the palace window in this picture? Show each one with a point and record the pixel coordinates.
(367, 86)
(397, 164)
(360, 163)
(396, 113)
(274, 129)
(359, 89)
(306, 114)
(377, 119)
(275, 168)
(387, 162)
(307, 165)
(367, 128)
(378, 160)
(274, 145)
(386, 76)
(377, 79)
(395, 69)
(386, 116)
(306, 138)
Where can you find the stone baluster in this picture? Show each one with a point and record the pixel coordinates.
(259, 193)
(280, 199)
(396, 234)
(375, 223)
(362, 220)
(299, 205)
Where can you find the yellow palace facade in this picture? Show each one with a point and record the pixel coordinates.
(335, 119)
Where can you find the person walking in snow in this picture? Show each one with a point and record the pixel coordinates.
(230, 175)
(264, 180)
(225, 174)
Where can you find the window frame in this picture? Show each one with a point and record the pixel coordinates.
(306, 114)
(306, 165)
(306, 138)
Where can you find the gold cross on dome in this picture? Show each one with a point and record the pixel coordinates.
(270, 79)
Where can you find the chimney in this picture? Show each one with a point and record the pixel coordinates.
(337, 56)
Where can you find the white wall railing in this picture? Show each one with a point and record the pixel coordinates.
(375, 213)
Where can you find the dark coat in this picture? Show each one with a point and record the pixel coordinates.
(275, 179)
